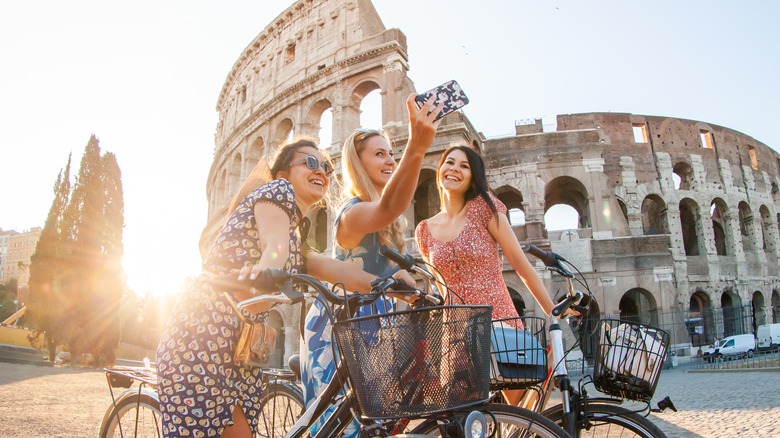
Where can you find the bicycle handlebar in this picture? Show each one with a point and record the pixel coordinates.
(550, 259)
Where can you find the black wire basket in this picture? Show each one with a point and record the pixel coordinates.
(417, 362)
(518, 353)
(629, 359)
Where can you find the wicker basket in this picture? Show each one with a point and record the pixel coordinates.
(417, 362)
(629, 359)
(518, 356)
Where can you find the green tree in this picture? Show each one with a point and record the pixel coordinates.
(8, 305)
(88, 280)
(46, 298)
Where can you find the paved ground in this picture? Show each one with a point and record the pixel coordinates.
(61, 402)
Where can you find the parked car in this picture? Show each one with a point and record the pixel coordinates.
(768, 336)
(737, 345)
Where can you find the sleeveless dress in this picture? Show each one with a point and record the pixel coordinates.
(318, 368)
(470, 263)
(199, 384)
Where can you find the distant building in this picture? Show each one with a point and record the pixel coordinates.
(16, 248)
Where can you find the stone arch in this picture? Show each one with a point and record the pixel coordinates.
(568, 191)
(359, 93)
(684, 172)
(222, 186)
(235, 177)
(700, 322)
(733, 313)
(757, 303)
(691, 228)
(767, 235)
(276, 322)
(311, 125)
(623, 208)
(282, 132)
(720, 226)
(639, 305)
(654, 217)
(775, 306)
(588, 343)
(254, 154)
(513, 200)
(426, 196)
(518, 301)
(746, 226)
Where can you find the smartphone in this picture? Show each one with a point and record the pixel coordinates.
(448, 93)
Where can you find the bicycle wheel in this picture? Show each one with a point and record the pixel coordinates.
(281, 406)
(137, 415)
(510, 421)
(605, 421)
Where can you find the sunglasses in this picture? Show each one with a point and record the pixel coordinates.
(313, 164)
(363, 134)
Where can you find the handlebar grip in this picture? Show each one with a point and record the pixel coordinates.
(548, 258)
(267, 281)
(404, 261)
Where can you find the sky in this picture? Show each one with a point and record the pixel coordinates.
(144, 77)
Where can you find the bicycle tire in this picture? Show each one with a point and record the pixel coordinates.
(121, 422)
(512, 419)
(607, 421)
(281, 406)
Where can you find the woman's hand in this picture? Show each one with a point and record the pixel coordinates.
(408, 279)
(422, 124)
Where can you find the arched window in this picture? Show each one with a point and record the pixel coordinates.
(639, 305)
(684, 176)
(566, 191)
(689, 221)
(718, 210)
(654, 216)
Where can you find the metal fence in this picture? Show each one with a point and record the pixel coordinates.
(760, 359)
(689, 330)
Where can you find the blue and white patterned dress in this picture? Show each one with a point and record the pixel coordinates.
(317, 348)
(199, 384)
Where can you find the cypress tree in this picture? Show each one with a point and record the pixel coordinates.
(46, 299)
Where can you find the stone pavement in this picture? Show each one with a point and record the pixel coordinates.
(65, 402)
(720, 404)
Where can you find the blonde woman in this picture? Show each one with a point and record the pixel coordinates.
(377, 193)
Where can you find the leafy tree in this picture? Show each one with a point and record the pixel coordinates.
(8, 299)
(84, 278)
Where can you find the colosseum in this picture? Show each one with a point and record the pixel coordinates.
(677, 220)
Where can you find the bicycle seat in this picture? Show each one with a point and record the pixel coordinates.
(294, 362)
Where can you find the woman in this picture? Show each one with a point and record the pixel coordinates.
(377, 195)
(462, 240)
(202, 391)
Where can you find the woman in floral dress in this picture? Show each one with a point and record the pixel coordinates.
(203, 392)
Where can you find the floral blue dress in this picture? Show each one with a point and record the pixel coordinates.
(317, 348)
(199, 384)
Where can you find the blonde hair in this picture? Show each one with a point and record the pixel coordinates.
(358, 184)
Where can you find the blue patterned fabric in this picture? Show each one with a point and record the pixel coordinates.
(199, 384)
(317, 348)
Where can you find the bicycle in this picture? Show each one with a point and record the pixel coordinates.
(628, 361)
(136, 412)
(432, 373)
(451, 417)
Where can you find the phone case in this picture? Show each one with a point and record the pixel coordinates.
(448, 93)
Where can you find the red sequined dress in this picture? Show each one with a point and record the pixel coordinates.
(470, 263)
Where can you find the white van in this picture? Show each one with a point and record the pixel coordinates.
(768, 336)
(737, 345)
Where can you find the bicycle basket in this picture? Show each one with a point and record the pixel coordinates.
(629, 359)
(518, 356)
(417, 362)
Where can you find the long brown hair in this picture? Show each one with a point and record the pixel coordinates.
(263, 173)
(479, 185)
(358, 184)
